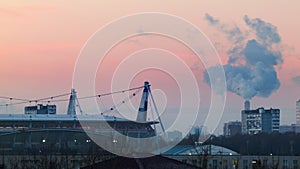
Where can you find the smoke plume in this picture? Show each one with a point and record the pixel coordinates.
(250, 70)
(296, 80)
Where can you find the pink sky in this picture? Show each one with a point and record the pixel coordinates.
(40, 41)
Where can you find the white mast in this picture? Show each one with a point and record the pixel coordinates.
(142, 114)
(72, 104)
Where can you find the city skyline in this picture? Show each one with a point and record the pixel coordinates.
(41, 41)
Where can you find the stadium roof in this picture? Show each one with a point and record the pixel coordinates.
(62, 117)
(198, 150)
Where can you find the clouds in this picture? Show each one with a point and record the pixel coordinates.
(265, 32)
(250, 70)
(256, 52)
(211, 19)
(234, 33)
(296, 80)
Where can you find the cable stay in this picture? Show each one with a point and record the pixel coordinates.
(13, 98)
(24, 101)
(11, 104)
(52, 99)
(78, 105)
(156, 110)
(113, 108)
(151, 110)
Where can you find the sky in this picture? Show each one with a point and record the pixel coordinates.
(40, 42)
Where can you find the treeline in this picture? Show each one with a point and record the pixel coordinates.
(260, 144)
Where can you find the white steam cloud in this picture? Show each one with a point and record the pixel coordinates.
(250, 70)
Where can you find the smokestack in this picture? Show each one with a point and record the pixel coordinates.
(247, 105)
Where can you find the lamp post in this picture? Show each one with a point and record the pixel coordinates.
(247, 142)
(292, 147)
(43, 146)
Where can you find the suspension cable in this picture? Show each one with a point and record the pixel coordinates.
(52, 98)
(122, 102)
(12, 98)
(111, 93)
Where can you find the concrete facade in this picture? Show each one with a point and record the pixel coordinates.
(260, 120)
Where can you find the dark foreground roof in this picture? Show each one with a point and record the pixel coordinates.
(154, 162)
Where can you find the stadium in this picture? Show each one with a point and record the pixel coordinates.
(40, 132)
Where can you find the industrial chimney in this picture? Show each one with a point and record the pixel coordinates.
(247, 105)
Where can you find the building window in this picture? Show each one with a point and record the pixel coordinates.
(245, 164)
(295, 164)
(265, 162)
(215, 164)
(225, 164)
(275, 163)
(235, 163)
(285, 164)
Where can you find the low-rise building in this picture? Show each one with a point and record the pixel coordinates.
(216, 157)
(174, 136)
(232, 128)
(293, 128)
(40, 109)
